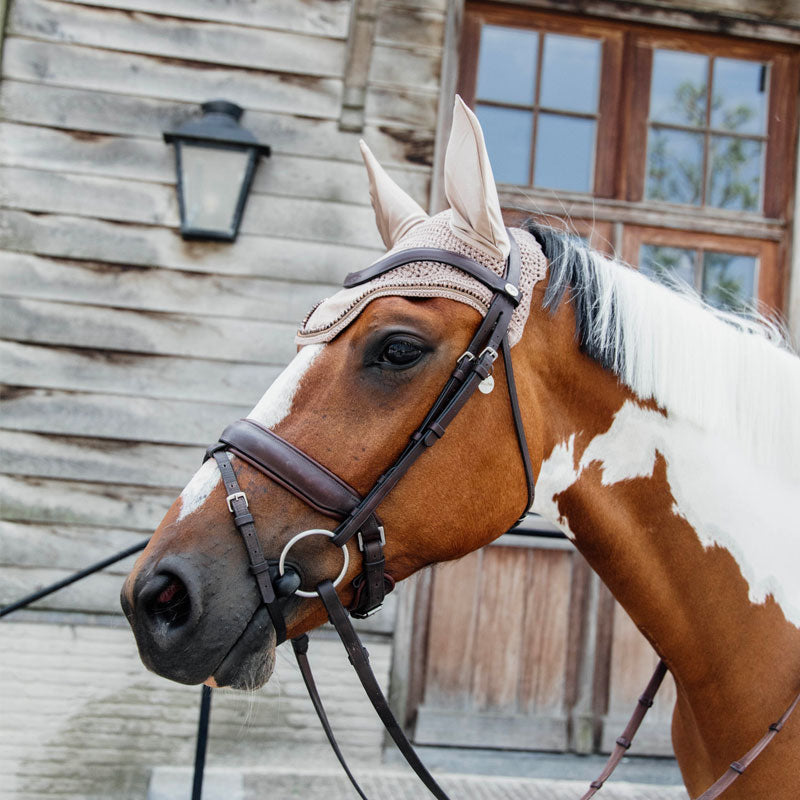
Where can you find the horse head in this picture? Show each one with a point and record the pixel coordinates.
(372, 359)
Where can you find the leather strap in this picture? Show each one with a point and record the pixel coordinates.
(283, 463)
(473, 367)
(474, 268)
(300, 647)
(238, 505)
(359, 658)
(623, 743)
(738, 767)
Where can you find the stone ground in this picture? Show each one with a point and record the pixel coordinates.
(464, 775)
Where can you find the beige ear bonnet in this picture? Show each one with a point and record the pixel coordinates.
(472, 227)
(429, 279)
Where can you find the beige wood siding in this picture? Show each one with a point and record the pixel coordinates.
(120, 341)
(125, 350)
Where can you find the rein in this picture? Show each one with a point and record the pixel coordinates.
(328, 494)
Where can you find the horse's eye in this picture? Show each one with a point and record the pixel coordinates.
(401, 353)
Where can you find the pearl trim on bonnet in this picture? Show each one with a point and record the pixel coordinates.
(429, 279)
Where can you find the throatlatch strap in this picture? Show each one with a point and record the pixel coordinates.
(359, 658)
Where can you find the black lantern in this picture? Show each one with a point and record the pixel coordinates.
(215, 159)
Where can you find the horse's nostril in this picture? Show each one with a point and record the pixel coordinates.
(168, 600)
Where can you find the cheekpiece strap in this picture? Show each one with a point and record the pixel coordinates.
(243, 519)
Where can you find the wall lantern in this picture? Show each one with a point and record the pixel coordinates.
(215, 159)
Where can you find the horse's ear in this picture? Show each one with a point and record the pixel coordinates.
(395, 212)
(469, 186)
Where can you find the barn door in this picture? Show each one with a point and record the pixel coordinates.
(525, 649)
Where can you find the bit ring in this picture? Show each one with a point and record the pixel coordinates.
(302, 535)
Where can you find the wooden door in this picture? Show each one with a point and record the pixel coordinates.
(519, 646)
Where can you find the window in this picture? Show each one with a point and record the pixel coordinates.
(673, 149)
(536, 94)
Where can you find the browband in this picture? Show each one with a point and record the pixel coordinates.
(506, 286)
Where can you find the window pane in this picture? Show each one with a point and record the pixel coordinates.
(564, 153)
(508, 133)
(211, 182)
(668, 264)
(570, 73)
(734, 179)
(679, 87)
(728, 279)
(507, 65)
(740, 96)
(675, 166)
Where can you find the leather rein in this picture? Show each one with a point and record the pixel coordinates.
(328, 494)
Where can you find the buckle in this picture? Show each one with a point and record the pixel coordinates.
(492, 354)
(236, 496)
(365, 614)
(466, 354)
(361, 538)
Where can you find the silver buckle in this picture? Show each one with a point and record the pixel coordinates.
(361, 538)
(492, 353)
(466, 354)
(236, 496)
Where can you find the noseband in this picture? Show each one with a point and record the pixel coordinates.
(328, 494)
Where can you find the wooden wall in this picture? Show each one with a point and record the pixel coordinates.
(120, 340)
(125, 350)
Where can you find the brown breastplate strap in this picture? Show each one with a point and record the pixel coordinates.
(738, 767)
(624, 741)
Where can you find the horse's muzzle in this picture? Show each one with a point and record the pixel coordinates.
(185, 621)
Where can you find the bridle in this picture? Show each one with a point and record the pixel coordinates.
(328, 494)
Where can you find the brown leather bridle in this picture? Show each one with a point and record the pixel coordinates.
(328, 494)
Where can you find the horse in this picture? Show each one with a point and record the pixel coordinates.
(663, 437)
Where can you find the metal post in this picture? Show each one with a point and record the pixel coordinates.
(202, 741)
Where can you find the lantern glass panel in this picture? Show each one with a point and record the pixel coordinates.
(212, 183)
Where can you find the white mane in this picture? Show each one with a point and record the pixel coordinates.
(724, 373)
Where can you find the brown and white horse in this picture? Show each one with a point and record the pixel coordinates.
(666, 442)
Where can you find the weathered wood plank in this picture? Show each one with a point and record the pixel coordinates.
(140, 159)
(451, 727)
(70, 547)
(172, 79)
(132, 375)
(451, 633)
(73, 325)
(98, 461)
(167, 36)
(546, 627)
(156, 204)
(98, 594)
(393, 106)
(324, 17)
(399, 66)
(401, 24)
(151, 289)
(58, 502)
(497, 661)
(88, 112)
(129, 244)
(114, 416)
